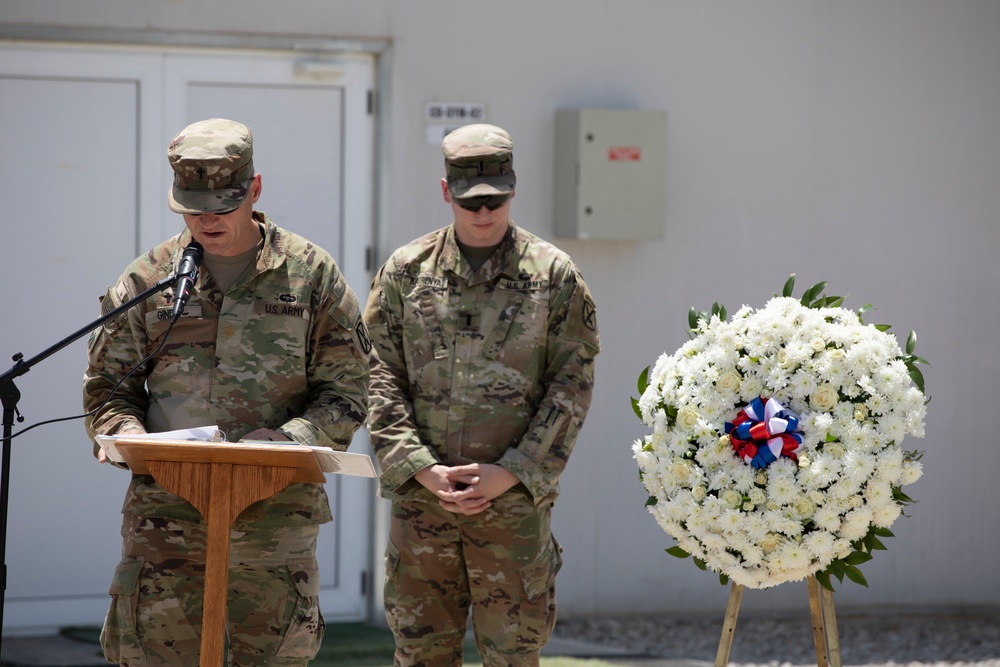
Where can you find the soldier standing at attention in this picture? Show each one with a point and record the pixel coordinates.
(269, 347)
(484, 338)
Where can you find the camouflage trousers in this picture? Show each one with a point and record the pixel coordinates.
(157, 596)
(501, 563)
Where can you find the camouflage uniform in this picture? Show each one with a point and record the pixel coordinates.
(490, 366)
(285, 349)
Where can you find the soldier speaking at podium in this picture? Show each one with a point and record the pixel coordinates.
(269, 346)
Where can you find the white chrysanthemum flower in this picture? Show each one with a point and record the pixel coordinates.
(890, 465)
(884, 515)
(856, 523)
(820, 544)
(912, 471)
(827, 518)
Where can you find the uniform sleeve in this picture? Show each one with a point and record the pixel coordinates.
(338, 372)
(113, 350)
(395, 440)
(571, 347)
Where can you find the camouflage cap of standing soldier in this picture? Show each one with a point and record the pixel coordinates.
(213, 166)
(479, 161)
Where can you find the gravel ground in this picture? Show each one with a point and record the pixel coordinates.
(888, 639)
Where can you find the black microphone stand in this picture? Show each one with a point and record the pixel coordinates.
(9, 395)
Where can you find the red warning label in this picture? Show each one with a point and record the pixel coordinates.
(624, 153)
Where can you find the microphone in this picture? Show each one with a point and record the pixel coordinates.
(187, 277)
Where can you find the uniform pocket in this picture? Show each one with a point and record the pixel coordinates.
(120, 634)
(305, 624)
(519, 340)
(537, 614)
(423, 331)
(390, 592)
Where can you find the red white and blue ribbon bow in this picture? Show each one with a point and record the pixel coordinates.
(763, 431)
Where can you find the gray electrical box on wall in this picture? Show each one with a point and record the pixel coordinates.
(610, 174)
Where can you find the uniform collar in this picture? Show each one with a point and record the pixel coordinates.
(503, 262)
(272, 255)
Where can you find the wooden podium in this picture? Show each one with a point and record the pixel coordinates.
(221, 480)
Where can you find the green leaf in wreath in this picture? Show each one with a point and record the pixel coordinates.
(723, 579)
(650, 501)
(882, 532)
(911, 342)
(824, 580)
(636, 410)
(857, 558)
(833, 302)
(693, 318)
(883, 327)
(643, 380)
(872, 543)
(702, 565)
(677, 552)
(916, 376)
(789, 286)
(854, 574)
(812, 294)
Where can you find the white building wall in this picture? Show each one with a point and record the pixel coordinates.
(854, 142)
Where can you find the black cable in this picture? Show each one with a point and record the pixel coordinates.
(110, 394)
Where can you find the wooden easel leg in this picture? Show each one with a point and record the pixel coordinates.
(824, 620)
(830, 623)
(729, 625)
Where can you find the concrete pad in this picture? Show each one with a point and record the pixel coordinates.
(50, 651)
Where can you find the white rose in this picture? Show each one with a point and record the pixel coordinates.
(805, 508)
(730, 381)
(824, 398)
(681, 470)
(731, 498)
(687, 417)
(834, 449)
(771, 542)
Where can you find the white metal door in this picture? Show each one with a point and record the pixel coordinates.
(83, 178)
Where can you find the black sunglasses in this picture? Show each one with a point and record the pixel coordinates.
(492, 202)
(219, 213)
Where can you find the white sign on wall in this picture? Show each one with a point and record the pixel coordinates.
(443, 117)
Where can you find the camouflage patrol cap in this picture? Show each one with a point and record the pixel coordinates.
(213, 166)
(479, 161)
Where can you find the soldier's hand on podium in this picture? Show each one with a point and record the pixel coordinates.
(265, 434)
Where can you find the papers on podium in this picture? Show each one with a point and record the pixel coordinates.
(330, 460)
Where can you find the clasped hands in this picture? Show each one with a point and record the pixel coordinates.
(466, 489)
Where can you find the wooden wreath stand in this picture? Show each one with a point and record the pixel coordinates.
(824, 624)
(220, 480)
